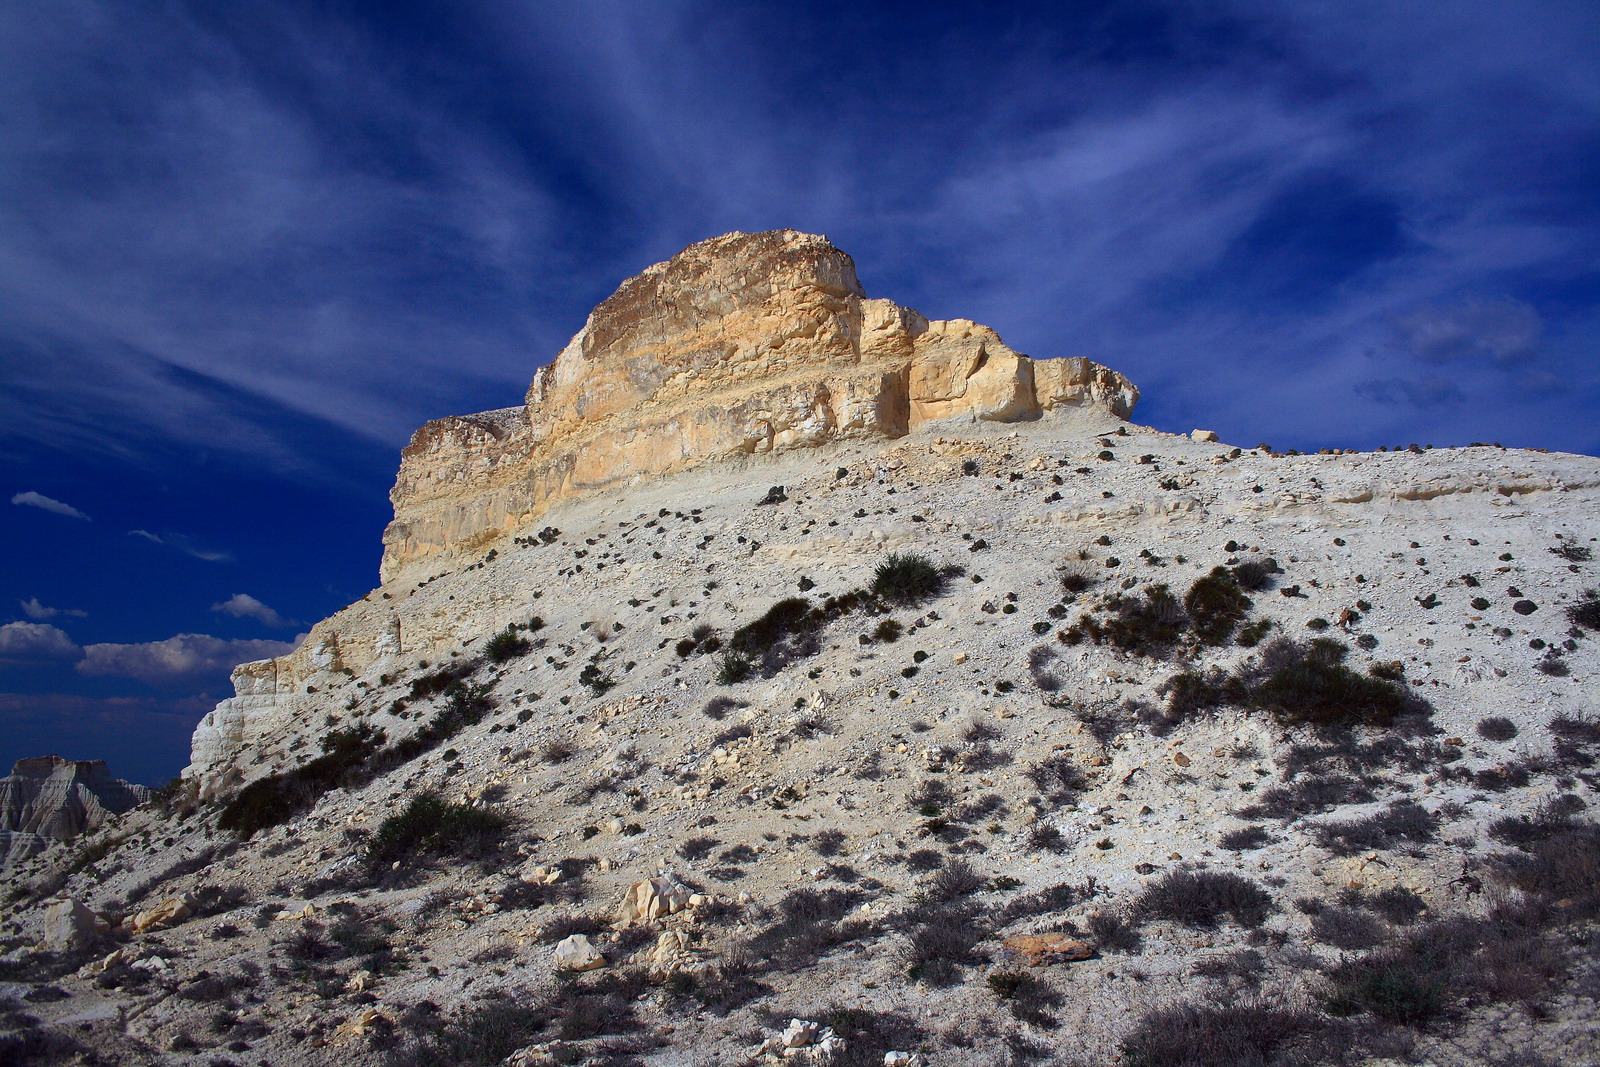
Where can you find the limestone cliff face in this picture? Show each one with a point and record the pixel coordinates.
(48, 799)
(746, 343)
(741, 345)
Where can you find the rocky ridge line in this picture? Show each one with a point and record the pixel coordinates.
(739, 345)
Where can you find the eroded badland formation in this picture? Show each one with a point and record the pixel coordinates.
(787, 656)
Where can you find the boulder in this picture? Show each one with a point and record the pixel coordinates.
(102, 965)
(69, 925)
(576, 953)
(361, 1025)
(548, 1054)
(1041, 950)
(803, 1042)
(539, 874)
(670, 952)
(800, 1033)
(1207, 436)
(654, 899)
(169, 912)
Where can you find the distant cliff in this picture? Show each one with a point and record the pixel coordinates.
(745, 343)
(47, 798)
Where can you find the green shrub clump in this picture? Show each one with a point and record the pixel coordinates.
(907, 578)
(1216, 606)
(431, 826)
(508, 644)
(734, 669)
(1310, 684)
(1299, 684)
(277, 798)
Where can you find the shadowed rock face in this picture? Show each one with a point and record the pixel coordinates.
(48, 798)
(743, 344)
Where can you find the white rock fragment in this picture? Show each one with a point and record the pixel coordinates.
(576, 953)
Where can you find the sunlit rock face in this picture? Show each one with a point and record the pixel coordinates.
(743, 344)
(47, 799)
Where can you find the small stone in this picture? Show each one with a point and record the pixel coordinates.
(362, 1024)
(577, 953)
(1041, 950)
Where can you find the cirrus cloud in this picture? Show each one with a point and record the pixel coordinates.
(1506, 331)
(44, 503)
(184, 544)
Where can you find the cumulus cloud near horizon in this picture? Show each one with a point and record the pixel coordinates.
(33, 609)
(31, 499)
(245, 606)
(35, 642)
(182, 658)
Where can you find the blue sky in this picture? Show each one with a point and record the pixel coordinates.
(245, 249)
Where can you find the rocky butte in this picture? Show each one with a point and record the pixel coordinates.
(791, 679)
(49, 799)
(742, 345)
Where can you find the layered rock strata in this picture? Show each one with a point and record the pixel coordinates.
(47, 799)
(743, 344)
(740, 345)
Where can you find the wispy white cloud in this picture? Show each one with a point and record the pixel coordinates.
(33, 609)
(39, 500)
(1267, 208)
(245, 606)
(35, 642)
(183, 659)
(1426, 392)
(184, 544)
(1505, 331)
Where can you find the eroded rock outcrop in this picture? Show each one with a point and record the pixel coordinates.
(47, 799)
(743, 344)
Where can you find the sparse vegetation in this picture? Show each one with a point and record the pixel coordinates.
(907, 578)
(1299, 684)
(1244, 839)
(1586, 612)
(506, 645)
(1226, 1035)
(1496, 728)
(432, 827)
(277, 798)
(1204, 899)
(1216, 607)
(1403, 821)
(733, 669)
